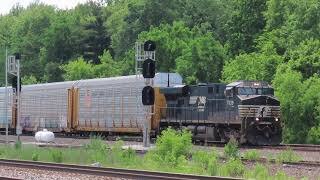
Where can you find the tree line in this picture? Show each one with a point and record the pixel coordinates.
(204, 40)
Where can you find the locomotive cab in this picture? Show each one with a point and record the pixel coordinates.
(258, 111)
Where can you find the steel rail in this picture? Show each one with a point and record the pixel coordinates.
(298, 163)
(296, 147)
(108, 172)
(9, 178)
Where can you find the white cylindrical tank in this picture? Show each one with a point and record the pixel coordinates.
(44, 136)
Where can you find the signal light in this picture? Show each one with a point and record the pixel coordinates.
(149, 46)
(149, 68)
(17, 55)
(185, 90)
(14, 83)
(148, 96)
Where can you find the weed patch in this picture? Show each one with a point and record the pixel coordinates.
(287, 156)
(231, 150)
(251, 155)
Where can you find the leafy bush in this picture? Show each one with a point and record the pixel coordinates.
(251, 155)
(231, 150)
(287, 156)
(56, 155)
(280, 175)
(259, 172)
(234, 167)
(171, 146)
(314, 135)
(96, 143)
(35, 157)
(207, 161)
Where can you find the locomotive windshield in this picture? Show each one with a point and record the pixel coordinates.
(254, 91)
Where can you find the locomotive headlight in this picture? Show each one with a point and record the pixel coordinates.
(276, 119)
(257, 119)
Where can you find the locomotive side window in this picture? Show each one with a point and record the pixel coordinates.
(229, 92)
(255, 91)
(210, 90)
(246, 91)
(217, 89)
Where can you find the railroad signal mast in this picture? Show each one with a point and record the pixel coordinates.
(145, 62)
(13, 68)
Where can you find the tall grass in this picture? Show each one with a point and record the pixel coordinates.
(172, 153)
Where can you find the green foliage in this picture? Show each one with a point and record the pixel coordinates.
(259, 172)
(171, 147)
(96, 143)
(207, 161)
(251, 155)
(108, 67)
(191, 48)
(245, 23)
(96, 151)
(56, 155)
(300, 105)
(78, 69)
(251, 66)
(231, 149)
(29, 80)
(17, 145)
(306, 58)
(287, 156)
(280, 175)
(314, 135)
(234, 168)
(35, 156)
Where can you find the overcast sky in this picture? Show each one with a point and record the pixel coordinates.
(5, 5)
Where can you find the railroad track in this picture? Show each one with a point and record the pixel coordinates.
(295, 147)
(298, 163)
(107, 172)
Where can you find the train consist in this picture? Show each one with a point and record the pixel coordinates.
(245, 110)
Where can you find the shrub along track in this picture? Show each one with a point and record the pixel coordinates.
(107, 172)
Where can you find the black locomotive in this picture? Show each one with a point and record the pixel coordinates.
(245, 110)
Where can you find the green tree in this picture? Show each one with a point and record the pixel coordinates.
(78, 69)
(202, 60)
(179, 48)
(26, 80)
(245, 24)
(306, 58)
(289, 88)
(253, 66)
(108, 67)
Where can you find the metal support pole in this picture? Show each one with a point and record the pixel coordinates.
(6, 97)
(146, 130)
(18, 100)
